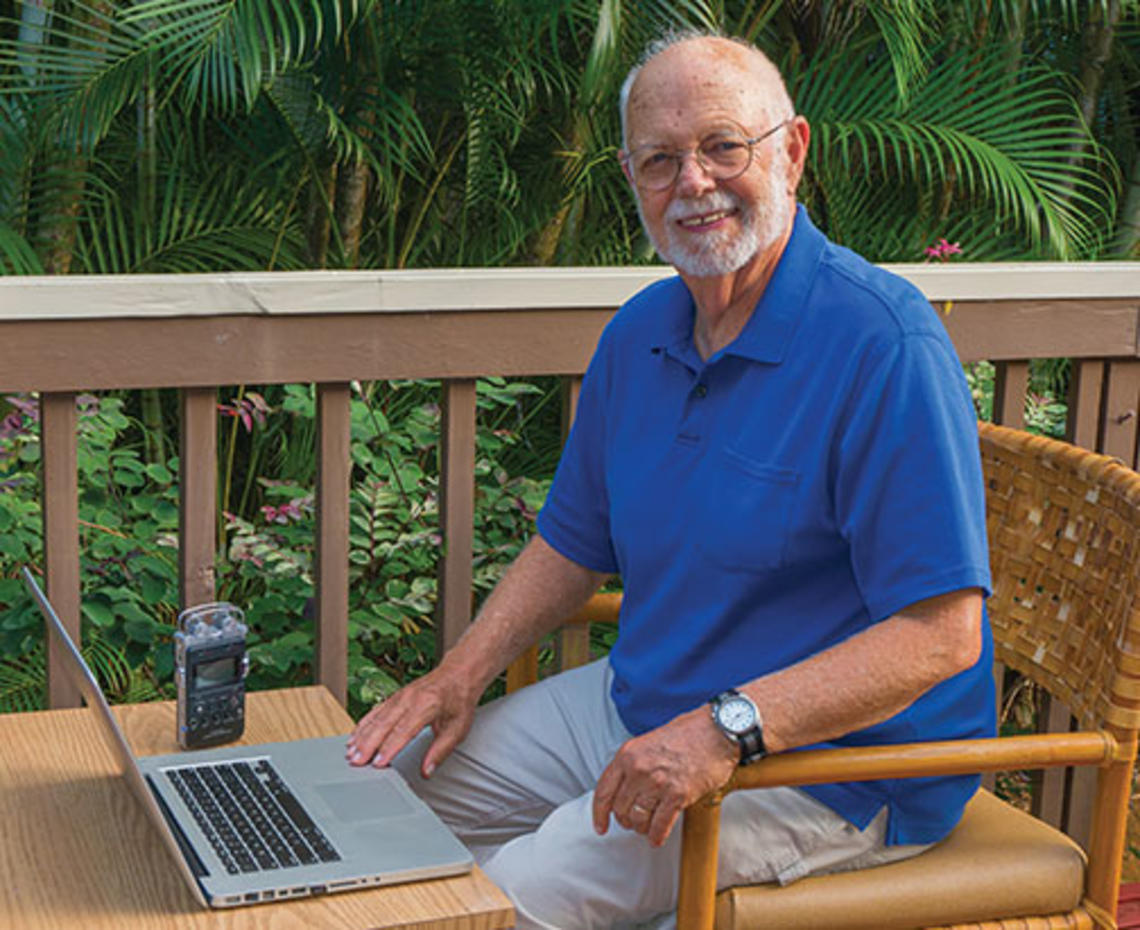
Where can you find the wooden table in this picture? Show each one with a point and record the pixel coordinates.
(76, 849)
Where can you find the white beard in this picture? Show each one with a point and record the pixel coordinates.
(719, 253)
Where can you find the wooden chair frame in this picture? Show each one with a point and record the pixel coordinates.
(1109, 719)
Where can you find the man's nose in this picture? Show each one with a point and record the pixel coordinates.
(692, 178)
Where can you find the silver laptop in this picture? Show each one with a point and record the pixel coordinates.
(248, 824)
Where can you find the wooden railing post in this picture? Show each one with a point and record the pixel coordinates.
(1011, 382)
(1052, 785)
(334, 472)
(571, 389)
(1086, 388)
(572, 645)
(197, 495)
(1121, 413)
(989, 779)
(61, 532)
(456, 511)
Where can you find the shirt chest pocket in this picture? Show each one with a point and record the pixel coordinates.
(744, 511)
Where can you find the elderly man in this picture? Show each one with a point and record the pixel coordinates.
(777, 452)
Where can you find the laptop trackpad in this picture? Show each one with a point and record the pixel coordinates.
(357, 800)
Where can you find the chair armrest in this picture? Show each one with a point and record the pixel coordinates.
(600, 608)
(701, 827)
(948, 757)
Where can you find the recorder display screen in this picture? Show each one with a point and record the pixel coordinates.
(218, 672)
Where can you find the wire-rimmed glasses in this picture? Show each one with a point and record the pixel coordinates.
(723, 155)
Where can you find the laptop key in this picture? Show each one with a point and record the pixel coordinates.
(327, 853)
(251, 817)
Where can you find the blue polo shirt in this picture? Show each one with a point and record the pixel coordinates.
(812, 478)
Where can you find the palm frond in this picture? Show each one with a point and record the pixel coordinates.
(225, 219)
(23, 681)
(90, 66)
(1007, 143)
(225, 52)
(16, 151)
(907, 28)
(16, 254)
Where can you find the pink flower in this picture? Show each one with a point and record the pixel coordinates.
(942, 250)
(290, 510)
(248, 409)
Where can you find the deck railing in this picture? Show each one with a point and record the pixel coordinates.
(62, 335)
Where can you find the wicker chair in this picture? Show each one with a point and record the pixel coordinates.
(1064, 528)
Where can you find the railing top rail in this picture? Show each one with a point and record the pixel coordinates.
(460, 289)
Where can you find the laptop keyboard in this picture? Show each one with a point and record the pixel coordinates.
(249, 815)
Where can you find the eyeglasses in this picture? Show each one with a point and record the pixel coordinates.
(722, 155)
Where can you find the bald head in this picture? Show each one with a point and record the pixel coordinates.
(691, 63)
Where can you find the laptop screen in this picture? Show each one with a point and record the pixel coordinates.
(80, 673)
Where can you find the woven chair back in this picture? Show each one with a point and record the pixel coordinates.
(1064, 536)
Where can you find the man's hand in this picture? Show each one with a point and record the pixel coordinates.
(439, 700)
(657, 775)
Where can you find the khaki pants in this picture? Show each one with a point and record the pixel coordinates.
(518, 791)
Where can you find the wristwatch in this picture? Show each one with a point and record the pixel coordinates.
(737, 717)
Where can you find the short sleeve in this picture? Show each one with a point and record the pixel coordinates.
(909, 492)
(575, 520)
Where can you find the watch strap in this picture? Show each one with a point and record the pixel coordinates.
(751, 741)
(752, 747)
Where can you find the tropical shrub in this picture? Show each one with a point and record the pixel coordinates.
(129, 515)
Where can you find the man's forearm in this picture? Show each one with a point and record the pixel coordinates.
(539, 590)
(871, 676)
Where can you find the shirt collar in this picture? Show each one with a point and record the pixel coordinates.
(766, 335)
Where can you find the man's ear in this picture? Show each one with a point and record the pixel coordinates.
(623, 160)
(798, 138)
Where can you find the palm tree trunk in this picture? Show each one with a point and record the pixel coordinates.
(558, 239)
(57, 229)
(34, 18)
(154, 444)
(1016, 38)
(318, 215)
(1099, 34)
(351, 197)
(58, 226)
(1128, 224)
(546, 245)
(147, 151)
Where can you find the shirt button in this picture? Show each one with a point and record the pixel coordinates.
(701, 390)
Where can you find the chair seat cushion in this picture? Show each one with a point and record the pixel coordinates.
(998, 862)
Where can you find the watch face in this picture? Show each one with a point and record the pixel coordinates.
(737, 715)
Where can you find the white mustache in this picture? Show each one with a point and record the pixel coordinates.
(697, 206)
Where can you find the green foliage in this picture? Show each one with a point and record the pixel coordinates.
(128, 523)
(182, 135)
(129, 514)
(980, 378)
(954, 153)
(1046, 406)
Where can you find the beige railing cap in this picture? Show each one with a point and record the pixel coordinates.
(285, 293)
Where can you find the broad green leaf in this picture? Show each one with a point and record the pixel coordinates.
(98, 613)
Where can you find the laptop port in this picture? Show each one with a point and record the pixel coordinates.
(317, 889)
(252, 897)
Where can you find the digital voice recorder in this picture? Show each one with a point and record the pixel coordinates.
(210, 665)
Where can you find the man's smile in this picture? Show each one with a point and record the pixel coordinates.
(705, 219)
